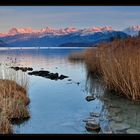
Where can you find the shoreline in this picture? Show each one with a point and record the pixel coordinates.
(30, 48)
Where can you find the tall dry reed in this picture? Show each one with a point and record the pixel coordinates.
(13, 98)
(120, 67)
(118, 64)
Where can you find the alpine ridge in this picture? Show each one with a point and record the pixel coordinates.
(51, 37)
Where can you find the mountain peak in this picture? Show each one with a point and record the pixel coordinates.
(135, 27)
(13, 31)
(132, 30)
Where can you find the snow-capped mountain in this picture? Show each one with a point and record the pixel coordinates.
(48, 30)
(25, 37)
(96, 29)
(3, 44)
(132, 31)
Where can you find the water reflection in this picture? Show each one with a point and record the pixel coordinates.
(94, 85)
(61, 105)
(117, 114)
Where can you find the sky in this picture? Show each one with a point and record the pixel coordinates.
(38, 17)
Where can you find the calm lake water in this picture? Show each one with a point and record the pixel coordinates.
(59, 107)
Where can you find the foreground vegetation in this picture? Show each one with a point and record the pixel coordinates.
(118, 65)
(13, 99)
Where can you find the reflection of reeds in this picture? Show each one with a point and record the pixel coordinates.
(77, 57)
(118, 63)
(13, 98)
(94, 85)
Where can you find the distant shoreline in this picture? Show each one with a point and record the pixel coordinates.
(26, 48)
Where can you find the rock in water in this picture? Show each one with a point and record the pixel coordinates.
(132, 131)
(78, 83)
(116, 119)
(15, 68)
(29, 69)
(61, 77)
(93, 114)
(24, 69)
(47, 74)
(119, 126)
(53, 76)
(90, 98)
(92, 126)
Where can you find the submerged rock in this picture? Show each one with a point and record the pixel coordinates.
(90, 98)
(116, 119)
(119, 126)
(132, 131)
(114, 110)
(105, 129)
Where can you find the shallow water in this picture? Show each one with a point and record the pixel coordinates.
(59, 107)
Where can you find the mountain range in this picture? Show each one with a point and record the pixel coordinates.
(49, 37)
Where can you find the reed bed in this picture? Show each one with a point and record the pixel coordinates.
(13, 98)
(118, 65)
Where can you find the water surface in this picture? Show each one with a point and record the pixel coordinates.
(59, 107)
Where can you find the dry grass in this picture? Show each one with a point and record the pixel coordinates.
(92, 61)
(120, 67)
(13, 99)
(5, 125)
(118, 64)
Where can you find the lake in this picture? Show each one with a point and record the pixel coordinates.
(60, 106)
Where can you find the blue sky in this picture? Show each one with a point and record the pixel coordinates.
(38, 17)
